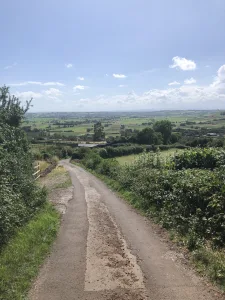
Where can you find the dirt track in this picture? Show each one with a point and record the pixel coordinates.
(105, 250)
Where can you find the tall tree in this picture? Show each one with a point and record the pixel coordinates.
(165, 127)
(147, 136)
(99, 133)
(11, 110)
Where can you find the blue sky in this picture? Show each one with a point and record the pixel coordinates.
(114, 55)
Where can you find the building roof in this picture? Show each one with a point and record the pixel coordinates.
(88, 145)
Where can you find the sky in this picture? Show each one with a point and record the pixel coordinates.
(118, 55)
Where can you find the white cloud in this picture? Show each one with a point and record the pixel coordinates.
(184, 97)
(207, 66)
(80, 87)
(68, 66)
(219, 81)
(189, 81)
(11, 66)
(180, 97)
(26, 83)
(53, 83)
(80, 78)
(28, 95)
(189, 96)
(106, 75)
(119, 76)
(37, 83)
(122, 85)
(174, 83)
(183, 64)
(53, 93)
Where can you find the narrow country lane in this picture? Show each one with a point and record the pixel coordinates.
(105, 250)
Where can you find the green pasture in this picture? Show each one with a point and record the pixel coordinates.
(131, 158)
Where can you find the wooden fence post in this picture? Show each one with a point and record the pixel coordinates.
(37, 174)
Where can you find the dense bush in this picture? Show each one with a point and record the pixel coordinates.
(191, 201)
(80, 153)
(185, 193)
(207, 158)
(199, 142)
(108, 167)
(203, 142)
(92, 160)
(20, 198)
(49, 151)
(66, 152)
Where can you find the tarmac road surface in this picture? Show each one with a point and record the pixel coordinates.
(106, 250)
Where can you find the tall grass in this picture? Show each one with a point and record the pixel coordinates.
(21, 258)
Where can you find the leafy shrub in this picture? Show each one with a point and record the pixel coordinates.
(36, 154)
(199, 142)
(80, 153)
(20, 198)
(92, 160)
(108, 167)
(208, 158)
(66, 152)
(190, 200)
(103, 153)
(165, 147)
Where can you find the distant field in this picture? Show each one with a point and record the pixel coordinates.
(170, 152)
(112, 122)
(131, 158)
(127, 159)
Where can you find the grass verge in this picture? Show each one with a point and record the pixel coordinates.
(210, 263)
(21, 258)
(43, 165)
(58, 178)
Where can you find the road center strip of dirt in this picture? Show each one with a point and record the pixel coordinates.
(110, 264)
